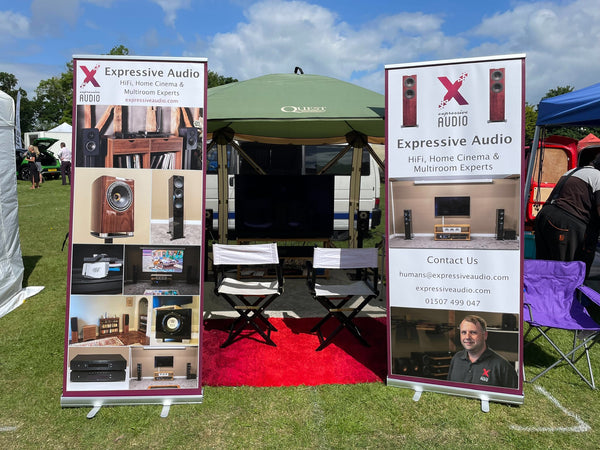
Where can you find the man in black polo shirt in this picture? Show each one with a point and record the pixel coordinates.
(477, 363)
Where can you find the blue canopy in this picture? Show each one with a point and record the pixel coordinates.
(580, 107)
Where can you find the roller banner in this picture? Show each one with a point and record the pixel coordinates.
(454, 153)
(135, 272)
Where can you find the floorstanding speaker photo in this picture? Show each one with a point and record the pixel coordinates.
(497, 95)
(500, 224)
(408, 224)
(409, 101)
(176, 202)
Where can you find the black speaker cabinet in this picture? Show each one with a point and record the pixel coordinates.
(74, 330)
(408, 224)
(497, 95)
(190, 144)
(500, 224)
(112, 207)
(362, 222)
(208, 220)
(90, 142)
(409, 101)
(174, 324)
(176, 206)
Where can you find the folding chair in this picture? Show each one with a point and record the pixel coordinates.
(250, 292)
(342, 301)
(555, 298)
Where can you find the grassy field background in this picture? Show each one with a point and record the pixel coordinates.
(560, 411)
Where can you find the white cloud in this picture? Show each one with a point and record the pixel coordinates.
(13, 25)
(280, 35)
(170, 7)
(559, 39)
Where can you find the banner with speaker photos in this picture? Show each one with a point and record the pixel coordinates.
(455, 135)
(135, 276)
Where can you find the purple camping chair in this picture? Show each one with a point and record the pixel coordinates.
(555, 298)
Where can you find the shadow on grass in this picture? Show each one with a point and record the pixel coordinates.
(29, 263)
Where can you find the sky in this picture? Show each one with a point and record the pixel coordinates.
(352, 40)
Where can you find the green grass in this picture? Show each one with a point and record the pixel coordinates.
(335, 416)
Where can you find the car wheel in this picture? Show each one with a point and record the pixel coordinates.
(25, 174)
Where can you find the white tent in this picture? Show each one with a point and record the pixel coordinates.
(12, 294)
(62, 128)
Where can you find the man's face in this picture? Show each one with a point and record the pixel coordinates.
(472, 337)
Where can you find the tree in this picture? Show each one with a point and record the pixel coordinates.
(54, 100)
(119, 50)
(214, 79)
(9, 84)
(530, 120)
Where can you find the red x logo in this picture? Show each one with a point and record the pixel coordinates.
(452, 90)
(486, 373)
(89, 76)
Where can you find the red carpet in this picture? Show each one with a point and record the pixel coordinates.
(249, 362)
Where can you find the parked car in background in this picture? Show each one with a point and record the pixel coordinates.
(50, 163)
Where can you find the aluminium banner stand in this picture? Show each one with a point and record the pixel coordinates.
(454, 140)
(133, 325)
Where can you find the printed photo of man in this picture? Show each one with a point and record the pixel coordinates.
(477, 363)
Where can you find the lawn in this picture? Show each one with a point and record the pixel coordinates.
(559, 411)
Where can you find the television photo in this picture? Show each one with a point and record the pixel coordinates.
(452, 206)
(162, 260)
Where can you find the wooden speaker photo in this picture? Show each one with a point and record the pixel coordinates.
(112, 207)
(176, 206)
(409, 101)
(497, 88)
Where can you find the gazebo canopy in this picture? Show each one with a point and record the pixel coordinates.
(296, 109)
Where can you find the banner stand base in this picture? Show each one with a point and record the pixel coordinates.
(484, 396)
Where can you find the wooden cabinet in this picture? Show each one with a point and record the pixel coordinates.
(109, 326)
(459, 232)
(144, 153)
(89, 332)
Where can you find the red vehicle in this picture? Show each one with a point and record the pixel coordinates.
(557, 155)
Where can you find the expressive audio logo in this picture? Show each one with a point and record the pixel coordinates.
(452, 91)
(89, 76)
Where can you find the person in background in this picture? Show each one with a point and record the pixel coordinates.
(31, 157)
(567, 226)
(64, 154)
(477, 363)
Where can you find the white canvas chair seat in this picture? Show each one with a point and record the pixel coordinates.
(240, 287)
(249, 297)
(339, 299)
(358, 288)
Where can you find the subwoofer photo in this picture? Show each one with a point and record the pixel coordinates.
(176, 202)
(409, 101)
(174, 324)
(497, 95)
(112, 200)
(190, 144)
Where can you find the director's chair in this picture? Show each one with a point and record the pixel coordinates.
(253, 289)
(343, 301)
